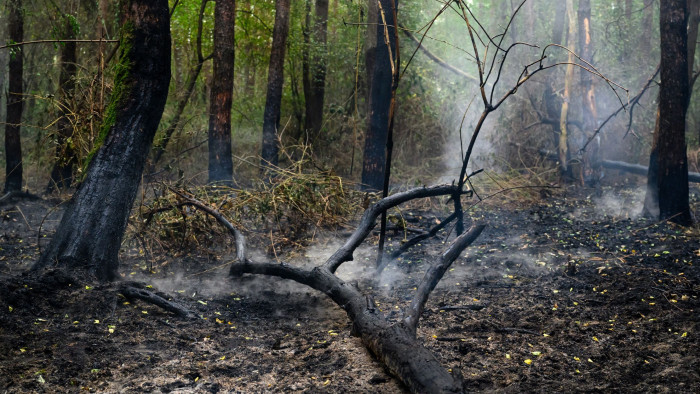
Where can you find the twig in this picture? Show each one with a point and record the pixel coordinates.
(16, 44)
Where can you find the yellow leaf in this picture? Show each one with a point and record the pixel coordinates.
(222, 358)
(685, 334)
(577, 359)
(144, 312)
(326, 382)
(22, 350)
(528, 361)
(508, 356)
(11, 309)
(97, 321)
(595, 339)
(536, 353)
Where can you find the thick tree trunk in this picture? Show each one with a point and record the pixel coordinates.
(13, 144)
(91, 230)
(381, 94)
(667, 183)
(275, 82)
(220, 156)
(563, 145)
(316, 71)
(65, 160)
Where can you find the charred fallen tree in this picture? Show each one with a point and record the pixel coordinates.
(637, 169)
(393, 343)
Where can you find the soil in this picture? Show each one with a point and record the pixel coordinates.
(573, 293)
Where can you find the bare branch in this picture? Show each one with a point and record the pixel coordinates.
(435, 273)
(17, 44)
(237, 234)
(370, 216)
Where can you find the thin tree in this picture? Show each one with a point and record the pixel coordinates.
(382, 92)
(275, 82)
(13, 144)
(315, 69)
(667, 180)
(591, 160)
(90, 233)
(65, 156)
(563, 146)
(220, 156)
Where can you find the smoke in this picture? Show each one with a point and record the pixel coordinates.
(619, 203)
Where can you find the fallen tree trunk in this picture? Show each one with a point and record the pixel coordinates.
(640, 169)
(394, 344)
(623, 166)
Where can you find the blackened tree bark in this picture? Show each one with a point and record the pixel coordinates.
(381, 93)
(13, 144)
(275, 81)
(315, 70)
(65, 158)
(667, 181)
(91, 230)
(220, 157)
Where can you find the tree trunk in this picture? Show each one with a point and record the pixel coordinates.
(220, 156)
(628, 10)
(13, 144)
(92, 227)
(569, 79)
(693, 20)
(62, 172)
(647, 27)
(667, 181)
(275, 82)
(591, 161)
(529, 21)
(381, 93)
(317, 51)
(559, 22)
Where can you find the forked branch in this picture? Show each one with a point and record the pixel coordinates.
(435, 273)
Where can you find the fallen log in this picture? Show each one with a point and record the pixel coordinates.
(394, 344)
(640, 169)
(622, 166)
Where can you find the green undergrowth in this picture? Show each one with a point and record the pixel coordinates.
(286, 210)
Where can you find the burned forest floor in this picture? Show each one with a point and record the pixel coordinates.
(570, 293)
